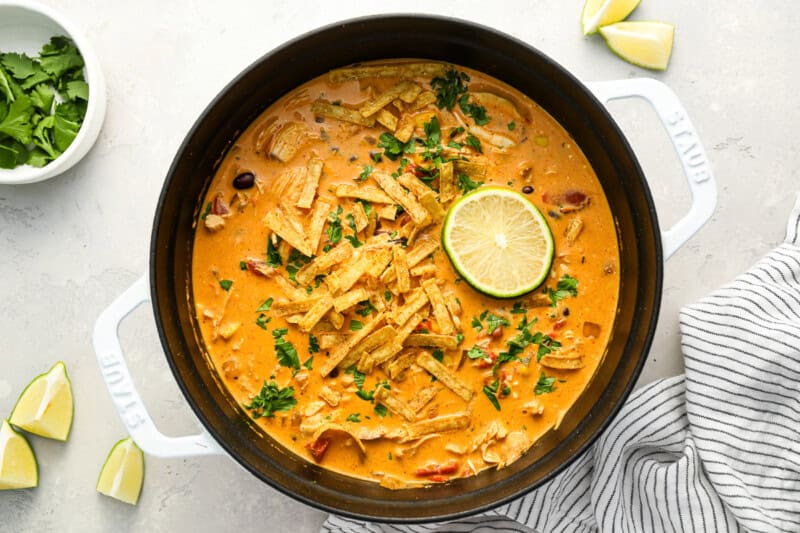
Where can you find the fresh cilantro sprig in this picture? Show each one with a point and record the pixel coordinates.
(449, 88)
(285, 350)
(544, 385)
(271, 399)
(467, 184)
(566, 286)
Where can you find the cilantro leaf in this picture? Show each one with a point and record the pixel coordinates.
(334, 229)
(512, 125)
(466, 184)
(17, 122)
(544, 385)
(295, 262)
(309, 363)
(474, 143)
(18, 65)
(271, 399)
(393, 147)
(566, 286)
(476, 352)
(284, 350)
(65, 129)
(449, 88)
(491, 392)
(313, 343)
(273, 257)
(358, 377)
(262, 321)
(59, 57)
(381, 410)
(266, 305)
(364, 173)
(355, 325)
(12, 153)
(226, 284)
(476, 111)
(354, 417)
(351, 222)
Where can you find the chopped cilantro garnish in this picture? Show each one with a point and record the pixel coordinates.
(449, 88)
(309, 363)
(365, 308)
(387, 295)
(358, 377)
(381, 411)
(354, 417)
(476, 352)
(206, 211)
(266, 305)
(355, 325)
(242, 265)
(313, 343)
(295, 262)
(493, 322)
(262, 321)
(512, 125)
(334, 229)
(491, 392)
(393, 147)
(544, 385)
(518, 309)
(366, 205)
(226, 284)
(466, 184)
(364, 173)
(284, 350)
(476, 111)
(566, 286)
(351, 222)
(475, 143)
(271, 399)
(438, 355)
(546, 344)
(273, 257)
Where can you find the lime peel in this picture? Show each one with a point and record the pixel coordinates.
(646, 44)
(597, 13)
(45, 407)
(122, 474)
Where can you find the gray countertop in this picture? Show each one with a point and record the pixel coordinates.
(70, 245)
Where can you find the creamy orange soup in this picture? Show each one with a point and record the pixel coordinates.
(333, 315)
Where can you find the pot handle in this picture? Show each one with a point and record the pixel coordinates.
(687, 145)
(123, 392)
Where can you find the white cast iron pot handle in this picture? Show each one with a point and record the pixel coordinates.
(123, 393)
(687, 145)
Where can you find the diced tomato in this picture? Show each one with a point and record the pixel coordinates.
(424, 325)
(486, 363)
(219, 206)
(317, 448)
(434, 470)
(437, 478)
(559, 324)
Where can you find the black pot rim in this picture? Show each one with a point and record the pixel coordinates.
(647, 339)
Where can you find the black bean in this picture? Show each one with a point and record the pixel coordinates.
(334, 373)
(319, 120)
(245, 180)
(566, 311)
(527, 189)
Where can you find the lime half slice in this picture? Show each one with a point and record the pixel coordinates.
(122, 474)
(498, 241)
(644, 44)
(45, 407)
(18, 467)
(597, 13)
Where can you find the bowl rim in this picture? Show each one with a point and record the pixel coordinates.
(95, 111)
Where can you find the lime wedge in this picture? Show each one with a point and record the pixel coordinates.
(645, 44)
(122, 475)
(498, 241)
(45, 406)
(597, 13)
(18, 467)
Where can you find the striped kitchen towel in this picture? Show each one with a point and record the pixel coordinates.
(717, 449)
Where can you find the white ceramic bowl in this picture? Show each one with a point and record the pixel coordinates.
(24, 27)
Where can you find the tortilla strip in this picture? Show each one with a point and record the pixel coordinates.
(415, 300)
(381, 336)
(379, 356)
(408, 328)
(424, 99)
(405, 128)
(428, 269)
(349, 299)
(338, 427)
(378, 261)
(286, 308)
(290, 290)
(387, 212)
(426, 361)
(311, 183)
(403, 70)
(473, 170)
(400, 263)
(360, 216)
(277, 222)
(573, 230)
(413, 184)
(429, 202)
(348, 274)
(318, 216)
(326, 109)
(370, 194)
(561, 362)
(423, 397)
(385, 98)
(399, 364)
(417, 254)
(418, 213)
(387, 120)
(345, 348)
(410, 94)
(323, 263)
(447, 182)
(315, 314)
(394, 404)
(439, 424)
(330, 340)
(432, 340)
(440, 311)
(330, 396)
(336, 319)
